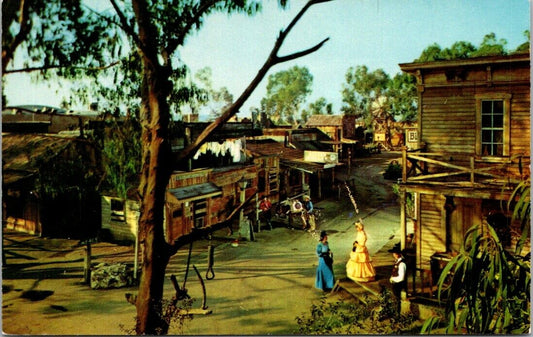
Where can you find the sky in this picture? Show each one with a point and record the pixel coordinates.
(375, 33)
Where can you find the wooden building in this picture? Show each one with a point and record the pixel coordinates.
(343, 131)
(473, 148)
(204, 197)
(297, 176)
(48, 185)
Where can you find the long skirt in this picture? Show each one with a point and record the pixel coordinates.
(359, 267)
(325, 279)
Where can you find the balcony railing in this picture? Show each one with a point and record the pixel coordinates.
(462, 170)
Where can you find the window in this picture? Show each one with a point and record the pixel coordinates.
(117, 210)
(492, 128)
(492, 119)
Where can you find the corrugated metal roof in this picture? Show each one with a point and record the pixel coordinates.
(290, 157)
(189, 193)
(324, 120)
(23, 153)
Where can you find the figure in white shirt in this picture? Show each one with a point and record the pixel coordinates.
(398, 275)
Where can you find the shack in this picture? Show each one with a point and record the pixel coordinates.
(48, 185)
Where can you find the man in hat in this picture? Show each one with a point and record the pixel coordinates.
(308, 217)
(398, 276)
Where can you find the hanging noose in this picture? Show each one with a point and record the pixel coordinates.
(210, 273)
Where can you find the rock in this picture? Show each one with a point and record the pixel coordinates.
(105, 276)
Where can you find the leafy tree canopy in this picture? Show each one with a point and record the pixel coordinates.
(319, 107)
(490, 46)
(286, 91)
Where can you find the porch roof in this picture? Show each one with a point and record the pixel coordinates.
(195, 192)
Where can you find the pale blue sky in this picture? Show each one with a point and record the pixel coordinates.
(375, 33)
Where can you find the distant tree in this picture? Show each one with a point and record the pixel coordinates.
(403, 97)
(361, 89)
(458, 50)
(431, 53)
(216, 100)
(121, 155)
(319, 107)
(286, 91)
(490, 46)
(524, 46)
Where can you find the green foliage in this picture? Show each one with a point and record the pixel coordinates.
(378, 98)
(59, 38)
(393, 171)
(522, 211)
(370, 316)
(122, 155)
(319, 107)
(490, 46)
(361, 89)
(403, 97)
(286, 91)
(488, 289)
(216, 100)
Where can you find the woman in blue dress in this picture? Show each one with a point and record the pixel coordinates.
(325, 279)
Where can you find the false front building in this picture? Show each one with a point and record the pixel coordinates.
(473, 150)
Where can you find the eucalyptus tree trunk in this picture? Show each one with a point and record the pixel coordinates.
(156, 154)
(155, 173)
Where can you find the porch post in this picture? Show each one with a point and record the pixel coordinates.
(403, 222)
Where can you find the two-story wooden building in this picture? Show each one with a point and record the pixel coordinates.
(474, 147)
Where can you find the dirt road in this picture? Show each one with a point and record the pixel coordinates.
(259, 287)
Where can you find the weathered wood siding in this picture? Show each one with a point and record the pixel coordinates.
(432, 227)
(120, 228)
(448, 110)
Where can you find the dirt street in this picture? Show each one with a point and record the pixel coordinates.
(259, 286)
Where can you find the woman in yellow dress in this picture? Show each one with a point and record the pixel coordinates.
(359, 267)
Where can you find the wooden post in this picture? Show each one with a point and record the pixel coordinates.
(319, 184)
(403, 218)
(257, 213)
(404, 164)
(472, 175)
(87, 267)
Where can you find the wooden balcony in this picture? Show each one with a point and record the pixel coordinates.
(460, 170)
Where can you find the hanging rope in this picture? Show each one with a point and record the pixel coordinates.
(210, 273)
(351, 198)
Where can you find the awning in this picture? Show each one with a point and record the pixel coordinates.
(195, 192)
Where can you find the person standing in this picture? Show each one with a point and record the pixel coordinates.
(325, 279)
(308, 217)
(398, 276)
(266, 210)
(359, 267)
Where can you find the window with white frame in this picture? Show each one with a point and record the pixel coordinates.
(493, 125)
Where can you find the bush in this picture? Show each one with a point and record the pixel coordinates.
(393, 171)
(367, 316)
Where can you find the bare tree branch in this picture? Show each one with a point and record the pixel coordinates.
(126, 26)
(25, 27)
(31, 69)
(272, 60)
(301, 53)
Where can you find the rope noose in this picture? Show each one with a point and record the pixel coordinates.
(210, 273)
